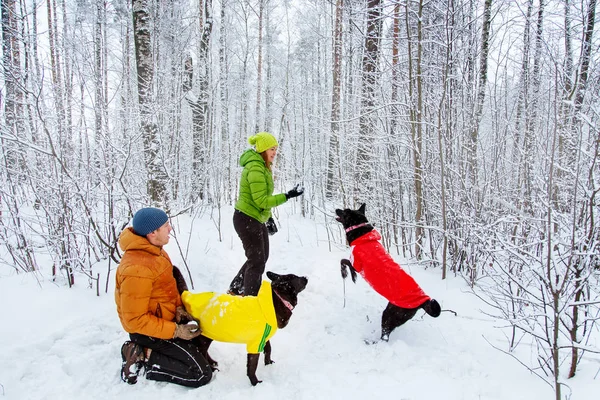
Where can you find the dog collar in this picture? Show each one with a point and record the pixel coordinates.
(356, 227)
(285, 302)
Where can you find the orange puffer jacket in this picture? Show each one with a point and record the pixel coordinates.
(146, 292)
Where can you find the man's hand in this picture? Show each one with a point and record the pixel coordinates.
(182, 316)
(187, 332)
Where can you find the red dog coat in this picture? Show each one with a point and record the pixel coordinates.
(386, 276)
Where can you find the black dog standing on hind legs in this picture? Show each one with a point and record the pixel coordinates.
(380, 271)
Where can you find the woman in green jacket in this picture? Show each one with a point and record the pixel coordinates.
(252, 212)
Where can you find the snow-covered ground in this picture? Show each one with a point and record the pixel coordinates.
(60, 343)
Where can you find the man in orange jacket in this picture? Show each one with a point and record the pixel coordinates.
(150, 308)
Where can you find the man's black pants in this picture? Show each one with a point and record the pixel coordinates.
(175, 360)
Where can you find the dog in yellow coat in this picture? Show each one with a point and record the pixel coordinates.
(252, 320)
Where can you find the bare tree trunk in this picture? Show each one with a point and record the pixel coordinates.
(473, 139)
(440, 125)
(67, 91)
(370, 78)
(99, 104)
(259, 66)
(200, 111)
(522, 110)
(12, 71)
(531, 116)
(333, 159)
(394, 148)
(552, 282)
(586, 53)
(268, 114)
(14, 164)
(223, 86)
(55, 62)
(415, 92)
(589, 244)
(574, 95)
(583, 257)
(142, 34)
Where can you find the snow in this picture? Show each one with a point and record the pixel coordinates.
(61, 343)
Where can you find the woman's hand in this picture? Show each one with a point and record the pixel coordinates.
(295, 192)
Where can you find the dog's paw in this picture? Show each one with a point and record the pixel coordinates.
(269, 361)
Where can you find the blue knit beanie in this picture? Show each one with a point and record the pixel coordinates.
(147, 220)
(263, 141)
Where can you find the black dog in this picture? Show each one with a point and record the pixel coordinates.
(252, 320)
(381, 272)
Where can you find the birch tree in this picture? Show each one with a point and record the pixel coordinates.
(142, 33)
(259, 64)
(415, 94)
(334, 145)
(370, 78)
(201, 130)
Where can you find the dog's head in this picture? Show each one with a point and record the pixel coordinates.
(350, 218)
(288, 286)
(354, 221)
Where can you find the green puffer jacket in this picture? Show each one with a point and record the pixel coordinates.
(256, 188)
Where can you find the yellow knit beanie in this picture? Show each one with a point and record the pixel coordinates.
(263, 141)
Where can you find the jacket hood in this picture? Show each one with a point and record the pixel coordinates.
(249, 156)
(128, 240)
(372, 236)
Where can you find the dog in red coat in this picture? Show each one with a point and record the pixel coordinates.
(386, 276)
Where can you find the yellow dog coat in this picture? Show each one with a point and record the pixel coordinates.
(235, 319)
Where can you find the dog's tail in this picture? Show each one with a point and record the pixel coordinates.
(432, 307)
(346, 263)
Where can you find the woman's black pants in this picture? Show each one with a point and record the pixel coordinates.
(175, 360)
(255, 239)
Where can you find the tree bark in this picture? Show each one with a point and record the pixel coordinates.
(473, 139)
(370, 78)
(259, 66)
(586, 53)
(333, 159)
(415, 93)
(200, 111)
(12, 78)
(142, 34)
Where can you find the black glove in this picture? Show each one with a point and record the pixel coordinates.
(295, 192)
(271, 226)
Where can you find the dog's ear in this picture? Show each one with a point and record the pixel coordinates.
(362, 209)
(273, 276)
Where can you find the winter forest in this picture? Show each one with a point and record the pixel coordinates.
(470, 128)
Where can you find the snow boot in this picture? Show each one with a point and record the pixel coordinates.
(133, 361)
